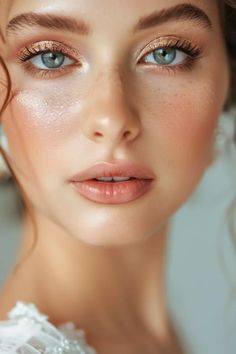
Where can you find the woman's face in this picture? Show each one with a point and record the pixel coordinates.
(122, 82)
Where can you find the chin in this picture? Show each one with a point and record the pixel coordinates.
(114, 240)
(123, 234)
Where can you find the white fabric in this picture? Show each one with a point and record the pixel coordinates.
(27, 331)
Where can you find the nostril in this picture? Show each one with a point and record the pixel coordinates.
(97, 134)
(126, 134)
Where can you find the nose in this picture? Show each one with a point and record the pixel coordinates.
(109, 116)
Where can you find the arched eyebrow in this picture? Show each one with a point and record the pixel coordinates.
(65, 23)
(180, 12)
(49, 21)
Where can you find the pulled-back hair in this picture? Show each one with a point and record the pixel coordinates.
(229, 30)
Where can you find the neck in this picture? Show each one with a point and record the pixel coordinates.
(117, 288)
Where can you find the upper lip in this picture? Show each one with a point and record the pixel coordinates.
(120, 169)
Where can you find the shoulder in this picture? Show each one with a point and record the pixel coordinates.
(28, 331)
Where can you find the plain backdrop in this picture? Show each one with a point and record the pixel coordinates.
(201, 272)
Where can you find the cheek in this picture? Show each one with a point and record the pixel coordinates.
(181, 117)
(35, 124)
(187, 125)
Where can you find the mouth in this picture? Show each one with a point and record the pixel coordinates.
(107, 183)
(113, 179)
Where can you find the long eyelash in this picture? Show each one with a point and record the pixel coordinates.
(29, 53)
(45, 47)
(193, 52)
(42, 48)
(186, 47)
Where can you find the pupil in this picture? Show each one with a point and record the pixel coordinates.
(53, 60)
(165, 55)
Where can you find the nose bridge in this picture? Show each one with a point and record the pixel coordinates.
(110, 114)
(110, 97)
(109, 77)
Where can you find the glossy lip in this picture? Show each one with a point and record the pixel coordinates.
(113, 192)
(106, 169)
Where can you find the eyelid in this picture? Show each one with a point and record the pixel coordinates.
(48, 45)
(25, 55)
(168, 41)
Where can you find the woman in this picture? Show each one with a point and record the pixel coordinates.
(109, 128)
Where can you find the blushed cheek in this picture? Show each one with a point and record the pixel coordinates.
(189, 122)
(47, 114)
(183, 119)
(35, 123)
(40, 116)
(194, 114)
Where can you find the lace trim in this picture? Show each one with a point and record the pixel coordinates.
(27, 331)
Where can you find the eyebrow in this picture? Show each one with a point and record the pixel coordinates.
(49, 21)
(179, 12)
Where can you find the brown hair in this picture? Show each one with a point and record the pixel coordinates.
(229, 28)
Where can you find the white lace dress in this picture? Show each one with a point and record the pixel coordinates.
(27, 331)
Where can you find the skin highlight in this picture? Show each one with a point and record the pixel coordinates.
(107, 261)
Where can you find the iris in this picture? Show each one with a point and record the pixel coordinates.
(164, 56)
(53, 60)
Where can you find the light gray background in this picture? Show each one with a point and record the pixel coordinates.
(202, 262)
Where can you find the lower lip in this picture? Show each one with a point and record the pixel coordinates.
(113, 192)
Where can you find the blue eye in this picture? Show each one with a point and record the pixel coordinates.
(165, 56)
(51, 60)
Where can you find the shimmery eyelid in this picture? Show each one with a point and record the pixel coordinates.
(170, 41)
(32, 50)
(43, 46)
(192, 50)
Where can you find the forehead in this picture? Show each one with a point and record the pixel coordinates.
(99, 13)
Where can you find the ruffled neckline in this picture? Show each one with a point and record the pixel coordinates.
(28, 331)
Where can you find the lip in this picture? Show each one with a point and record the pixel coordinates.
(106, 169)
(113, 192)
